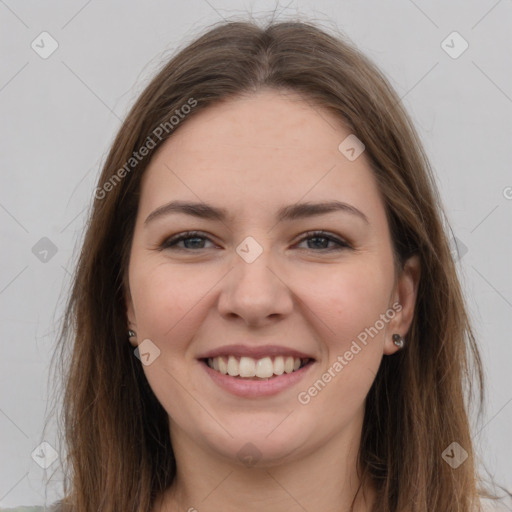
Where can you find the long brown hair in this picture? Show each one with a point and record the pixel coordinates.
(119, 456)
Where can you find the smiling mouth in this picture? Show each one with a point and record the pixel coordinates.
(256, 369)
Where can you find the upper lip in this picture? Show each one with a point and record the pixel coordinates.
(254, 352)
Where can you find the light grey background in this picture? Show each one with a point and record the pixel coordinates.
(59, 116)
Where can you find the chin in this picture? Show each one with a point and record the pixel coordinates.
(265, 445)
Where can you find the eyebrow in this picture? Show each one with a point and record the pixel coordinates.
(287, 213)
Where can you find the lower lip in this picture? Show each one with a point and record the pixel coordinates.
(255, 388)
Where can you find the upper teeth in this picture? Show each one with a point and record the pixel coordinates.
(249, 367)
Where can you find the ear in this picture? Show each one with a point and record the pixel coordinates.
(405, 293)
(130, 315)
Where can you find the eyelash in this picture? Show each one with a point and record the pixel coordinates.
(170, 243)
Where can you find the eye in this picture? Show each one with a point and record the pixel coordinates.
(194, 240)
(321, 239)
(191, 240)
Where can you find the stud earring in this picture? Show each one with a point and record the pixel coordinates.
(131, 334)
(398, 340)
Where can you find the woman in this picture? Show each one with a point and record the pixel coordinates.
(266, 314)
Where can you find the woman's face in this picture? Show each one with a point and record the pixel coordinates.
(256, 287)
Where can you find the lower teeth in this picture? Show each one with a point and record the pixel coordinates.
(255, 378)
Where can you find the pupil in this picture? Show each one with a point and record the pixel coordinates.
(316, 238)
(197, 240)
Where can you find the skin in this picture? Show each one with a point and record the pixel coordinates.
(253, 155)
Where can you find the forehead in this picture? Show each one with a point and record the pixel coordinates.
(267, 148)
(266, 123)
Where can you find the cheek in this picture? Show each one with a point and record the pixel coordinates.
(166, 300)
(349, 306)
(350, 298)
(165, 296)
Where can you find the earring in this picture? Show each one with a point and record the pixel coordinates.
(131, 334)
(398, 340)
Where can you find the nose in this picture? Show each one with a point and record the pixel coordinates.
(256, 292)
